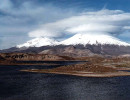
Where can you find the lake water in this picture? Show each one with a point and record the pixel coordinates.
(16, 85)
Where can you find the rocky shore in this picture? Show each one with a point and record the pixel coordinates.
(95, 67)
(21, 58)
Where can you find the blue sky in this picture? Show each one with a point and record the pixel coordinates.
(20, 18)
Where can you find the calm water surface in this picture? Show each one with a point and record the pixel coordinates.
(16, 85)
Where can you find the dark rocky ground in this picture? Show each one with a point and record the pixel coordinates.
(74, 51)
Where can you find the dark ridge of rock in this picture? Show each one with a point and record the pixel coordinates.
(74, 50)
(69, 51)
(33, 57)
(1, 58)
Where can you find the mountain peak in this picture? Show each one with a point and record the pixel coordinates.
(78, 39)
(38, 42)
(91, 39)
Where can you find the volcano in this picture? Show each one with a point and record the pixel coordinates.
(93, 39)
(77, 45)
(78, 39)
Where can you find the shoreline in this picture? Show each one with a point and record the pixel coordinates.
(28, 64)
(123, 69)
(83, 74)
(46, 63)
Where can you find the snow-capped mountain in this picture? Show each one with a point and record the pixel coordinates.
(38, 42)
(82, 39)
(77, 45)
(93, 39)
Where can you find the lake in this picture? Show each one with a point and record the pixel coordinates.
(16, 85)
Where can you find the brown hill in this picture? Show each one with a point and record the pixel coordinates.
(33, 57)
(69, 51)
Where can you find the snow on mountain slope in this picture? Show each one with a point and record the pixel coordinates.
(38, 42)
(74, 40)
(93, 39)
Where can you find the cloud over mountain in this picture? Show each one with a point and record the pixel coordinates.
(22, 20)
(113, 22)
(18, 17)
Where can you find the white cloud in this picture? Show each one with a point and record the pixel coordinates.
(127, 27)
(5, 4)
(18, 17)
(29, 13)
(56, 22)
(103, 21)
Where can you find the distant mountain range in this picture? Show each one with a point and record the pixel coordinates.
(79, 45)
(82, 39)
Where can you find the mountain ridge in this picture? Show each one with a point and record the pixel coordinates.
(77, 45)
(82, 39)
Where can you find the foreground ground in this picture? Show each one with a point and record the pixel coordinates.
(95, 67)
